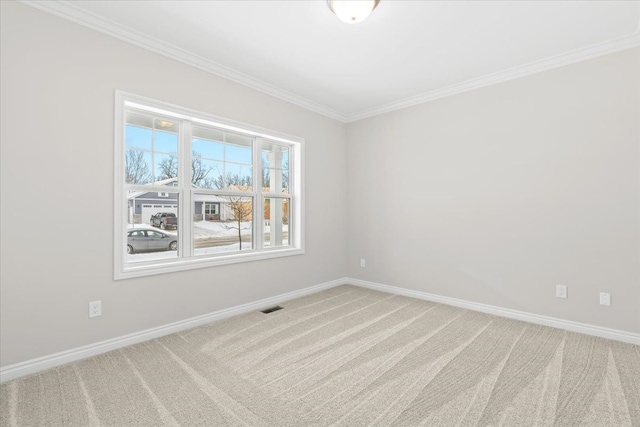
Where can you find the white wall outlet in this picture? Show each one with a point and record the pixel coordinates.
(561, 291)
(95, 308)
(363, 262)
(605, 298)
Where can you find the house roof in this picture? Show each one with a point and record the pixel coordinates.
(162, 182)
(201, 197)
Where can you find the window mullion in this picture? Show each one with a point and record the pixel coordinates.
(186, 197)
(292, 193)
(258, 208)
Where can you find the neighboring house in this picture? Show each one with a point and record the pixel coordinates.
(143, 204)
(267, 203)
(211, 208)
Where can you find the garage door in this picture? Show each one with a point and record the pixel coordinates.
(148, 210)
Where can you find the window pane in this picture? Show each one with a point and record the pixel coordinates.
(207, 134)
(222, 224)
(240, 140)
(137, 167)
(275, 180)
(238, 154)
(166, 167)
(275, 156)
(208, 149)
(276, 215)
(207, 173)
(238, 177)
(138, 119)
(221, 160)
(166, 142)
(167, 125)
(152, 226)
(152, 148)
(138, 137)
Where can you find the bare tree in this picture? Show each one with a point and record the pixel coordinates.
(215, 182)
(240, 207)
(285, 175)
(199, 171)
(231, 179)
(168, 168)
(136, 168)
(242, 210)
(266, 173)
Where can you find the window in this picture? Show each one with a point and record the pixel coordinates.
(211, 209)
(235, 190)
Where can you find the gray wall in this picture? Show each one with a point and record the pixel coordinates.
(491, 196)
(57, 83)
(497, 195)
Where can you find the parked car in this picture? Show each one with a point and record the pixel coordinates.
(164, 220)
(147, 240)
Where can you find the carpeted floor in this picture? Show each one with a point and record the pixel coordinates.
(346, 356)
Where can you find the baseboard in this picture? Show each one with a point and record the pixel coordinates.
(583, 328)
(39, 364)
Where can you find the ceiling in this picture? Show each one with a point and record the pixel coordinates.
(405, 53)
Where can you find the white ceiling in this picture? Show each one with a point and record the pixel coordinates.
(406, 52)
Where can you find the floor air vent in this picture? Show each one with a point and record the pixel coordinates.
(271, 310)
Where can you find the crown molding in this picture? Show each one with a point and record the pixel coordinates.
(567, 58)
(71, 12)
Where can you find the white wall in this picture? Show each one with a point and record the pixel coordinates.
(57, 83)
(497, 195)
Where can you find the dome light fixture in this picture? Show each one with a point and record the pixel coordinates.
(352, 11)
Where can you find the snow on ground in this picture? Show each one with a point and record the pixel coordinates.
(226, 229)
(207, 229)
(234, 247)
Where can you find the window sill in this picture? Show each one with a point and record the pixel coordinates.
(132, 271)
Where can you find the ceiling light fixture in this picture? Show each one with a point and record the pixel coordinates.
(352, 11)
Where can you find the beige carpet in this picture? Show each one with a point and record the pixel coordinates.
(346, 356)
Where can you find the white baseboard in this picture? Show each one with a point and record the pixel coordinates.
(583, 328)
(39, 364)
(43, 363)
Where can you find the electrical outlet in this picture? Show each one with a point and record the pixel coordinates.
(605, 298)
(363, 262)
(561, 291)
(95, 308)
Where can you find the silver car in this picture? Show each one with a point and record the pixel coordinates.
(147, 240)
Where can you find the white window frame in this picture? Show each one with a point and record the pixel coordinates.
(186, 260)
